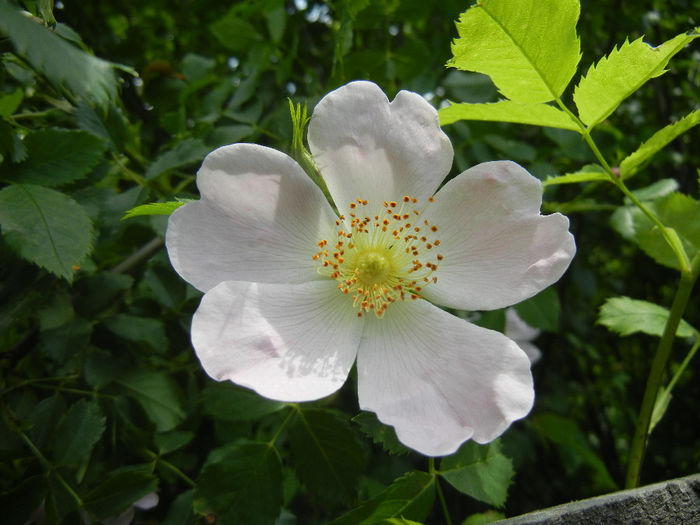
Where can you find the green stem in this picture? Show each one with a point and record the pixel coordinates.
(293, 410)
(169, 466)
(658, 366)
(441, 496)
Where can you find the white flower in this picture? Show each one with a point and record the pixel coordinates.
(295, 294)
(523, 334)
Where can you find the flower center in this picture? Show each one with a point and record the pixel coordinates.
(382, 258)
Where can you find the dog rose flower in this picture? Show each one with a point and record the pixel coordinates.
(295, 293)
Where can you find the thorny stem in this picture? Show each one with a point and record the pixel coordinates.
(658, 367)
(438, 488)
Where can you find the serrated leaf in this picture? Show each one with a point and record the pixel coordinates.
(380, 433)
(45, 418)
(630, 164)
(154, 208)
(508, 111)
(621, 73)
(228, 402)
(138, 330)
(410, 496)
(56, 157)
(78, 433)
(626, 316)
(480, 471)
(119, 491)
(189, 151)
(158, 395)
(45, 227)
(587, 174)
(529, 48)
(62, 63)
(241, 485)
(326, 453)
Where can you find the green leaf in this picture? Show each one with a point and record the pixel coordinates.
(171, 441)
(630, 164)
(656, 190)
(119, 492)
(508, 111)
(138, 330)
(228, 402)
(158, 395)
(241, 484)
(480, 471)
(529, 48)
(62, 63)
(20, 502)
(78, 433)
(541, 311)
(45, 418)
(626, 316)
(45, 227)
(180, 512)
(482, 518)
(588, 173)
(67, 341)
(57, 157)
(155, 208)
(410, 496)
(327, 454)
(380, 433)
(9, 102)
(621, 73)
(189, 151)
(234, 32)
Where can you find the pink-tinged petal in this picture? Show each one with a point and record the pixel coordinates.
(369, 148)
(286, 342)
(498, 250)
(439, 380)
(259, 219)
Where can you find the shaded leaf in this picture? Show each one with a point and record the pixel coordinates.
(20, 502)
(229, 402)
(621, 73)
(410, 496)
(45, 227)
(119, 491)
(541, 311)
(529, 48)
(189, 151)
(480, 471)
(62, 63)
(509, 111)
(180, 512)
(57, 157)
(626, 316)
(630, 164)
(326, 453)
(78, 433)
(158, 395)
(241, 484)
(380, 433)
(138, 330)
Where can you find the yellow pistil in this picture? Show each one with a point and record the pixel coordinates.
(383, 258)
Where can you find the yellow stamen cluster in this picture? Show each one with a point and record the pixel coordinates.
(381, 258)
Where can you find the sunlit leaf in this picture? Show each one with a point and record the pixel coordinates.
(154, 208)
(630, 164)
(45, 227)
(480, 471)
(587, 174)
(509, 111)
(63, 64)
(621, 73)
(627, 316)
(410, 496)
(529, 48)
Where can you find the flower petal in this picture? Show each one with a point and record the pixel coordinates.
(259, 219)
(440, 380)
(369, 148)
(286, 342)
(498, 250)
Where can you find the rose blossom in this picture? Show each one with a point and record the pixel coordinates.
(295, 293)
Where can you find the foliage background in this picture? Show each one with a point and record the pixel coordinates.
(101, 392)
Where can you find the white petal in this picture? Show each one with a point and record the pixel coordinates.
(498, 250)
(440, 380)
(371, 149)
(286, 342)
(259, 219)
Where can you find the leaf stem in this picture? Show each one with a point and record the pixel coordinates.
(441, 496)
(169, 466)
(293, 410)
(658, 367)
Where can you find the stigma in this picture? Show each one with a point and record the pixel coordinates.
(383, 258)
